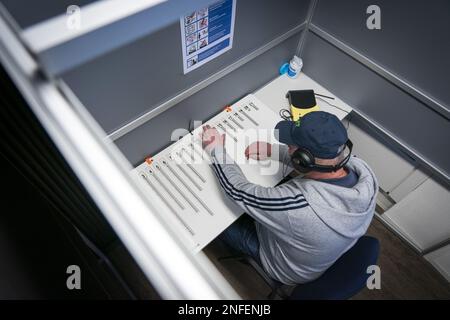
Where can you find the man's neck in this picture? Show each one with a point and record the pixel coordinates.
(316, 175)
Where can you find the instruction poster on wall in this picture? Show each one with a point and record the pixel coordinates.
(207, 33)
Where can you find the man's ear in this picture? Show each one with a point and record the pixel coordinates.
(292, 149)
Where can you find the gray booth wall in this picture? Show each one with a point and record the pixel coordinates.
(27, 13)
(412, 44)
(131, 81)
(119, 87)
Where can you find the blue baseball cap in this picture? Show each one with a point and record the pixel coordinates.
(322, 133)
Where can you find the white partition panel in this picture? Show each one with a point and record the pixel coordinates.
(423, 216)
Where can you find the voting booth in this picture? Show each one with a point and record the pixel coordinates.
(138, 80)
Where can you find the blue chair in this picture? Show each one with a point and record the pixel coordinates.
(345, 278)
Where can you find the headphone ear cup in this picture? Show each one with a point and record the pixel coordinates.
(302, 160)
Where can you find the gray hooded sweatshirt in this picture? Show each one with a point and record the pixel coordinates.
(303, 225)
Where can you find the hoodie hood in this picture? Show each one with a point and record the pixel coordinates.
(348, 211)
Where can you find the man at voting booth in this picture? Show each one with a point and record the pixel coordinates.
(298, 229)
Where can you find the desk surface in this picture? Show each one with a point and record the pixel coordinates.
(194, 200)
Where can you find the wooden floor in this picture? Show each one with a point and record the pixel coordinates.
(404, 273)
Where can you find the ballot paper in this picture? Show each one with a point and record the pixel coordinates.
(180, 177)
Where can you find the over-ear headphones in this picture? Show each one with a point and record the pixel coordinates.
(303, 160)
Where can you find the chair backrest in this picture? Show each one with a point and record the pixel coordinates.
(346, 277)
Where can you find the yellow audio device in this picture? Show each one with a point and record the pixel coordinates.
(301, 102)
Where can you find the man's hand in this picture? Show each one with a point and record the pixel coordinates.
(211, 138)
(259, 150)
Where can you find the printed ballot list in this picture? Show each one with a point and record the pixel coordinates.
(207, 33)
